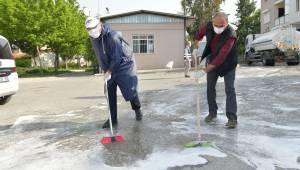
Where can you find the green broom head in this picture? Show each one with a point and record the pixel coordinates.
(198, 144)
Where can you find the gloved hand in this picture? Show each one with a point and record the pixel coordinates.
(107, 76)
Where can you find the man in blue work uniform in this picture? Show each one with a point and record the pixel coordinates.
(116, 59)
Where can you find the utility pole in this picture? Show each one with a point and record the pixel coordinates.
(98, 10)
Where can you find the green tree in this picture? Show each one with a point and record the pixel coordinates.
(202, 10)
(31, 24)
(74, 37)
(23, 23)
(248, 21)
(89, 52)
(68, 34)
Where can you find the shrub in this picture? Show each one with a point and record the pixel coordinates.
(23, 62)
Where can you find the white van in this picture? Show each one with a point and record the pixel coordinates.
(9, 83)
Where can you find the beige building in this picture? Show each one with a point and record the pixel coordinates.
(276, 13)
(156, 38)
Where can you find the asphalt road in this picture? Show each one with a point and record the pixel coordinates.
(55, 123)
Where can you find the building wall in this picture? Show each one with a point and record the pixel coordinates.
(294, 16)
(267, 6)
(168, 43)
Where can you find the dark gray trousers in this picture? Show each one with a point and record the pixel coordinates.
(231, 105)
(112, 94)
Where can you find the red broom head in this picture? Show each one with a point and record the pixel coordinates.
(108, 140)
(119, 138)
(105, 140)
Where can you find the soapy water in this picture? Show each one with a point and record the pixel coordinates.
(37, 150)
(266, 136)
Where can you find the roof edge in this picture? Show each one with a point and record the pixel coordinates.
(146, 12)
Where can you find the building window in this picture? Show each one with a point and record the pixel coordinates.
(297, 5)
(143, 44)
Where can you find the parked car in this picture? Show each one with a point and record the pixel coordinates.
(9, 83)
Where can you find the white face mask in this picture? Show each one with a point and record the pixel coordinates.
(95, 33)
(219, 30)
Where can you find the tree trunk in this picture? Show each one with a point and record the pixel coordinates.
(34, 61)
(78, 62)
(56, 62)
(66, 62)
(39, 56)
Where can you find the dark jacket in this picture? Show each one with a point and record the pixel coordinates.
(231, 60)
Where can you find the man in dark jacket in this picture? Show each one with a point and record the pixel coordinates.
(116, 59)
(221, 55)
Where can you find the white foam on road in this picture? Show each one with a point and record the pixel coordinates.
(164, 159)
(273, 125)
(99, 107)
(189, 126)
(32, 153)
(25, 120)
(184, 128)
(285, 108)
(35, 153)
(259, 151)
(72, 113)
(105, 104)
(295, 83)
(267, 153)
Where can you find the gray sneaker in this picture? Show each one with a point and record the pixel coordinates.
(210, 117)
(231, 124)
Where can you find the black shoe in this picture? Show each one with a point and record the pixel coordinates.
(106, 124)
(138, 115)
(231, 124)
(210, 117)
(187, 76)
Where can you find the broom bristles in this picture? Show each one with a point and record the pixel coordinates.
(111, 139)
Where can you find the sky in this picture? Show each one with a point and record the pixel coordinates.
(169, 6)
